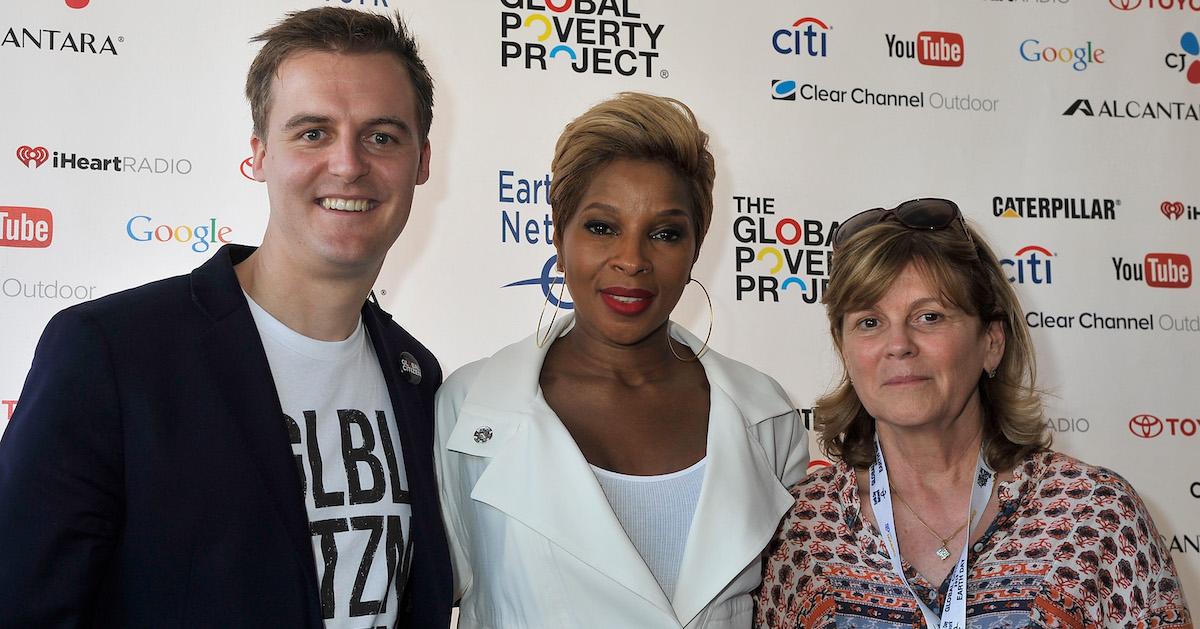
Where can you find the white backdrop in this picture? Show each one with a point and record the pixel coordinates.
(815, 112)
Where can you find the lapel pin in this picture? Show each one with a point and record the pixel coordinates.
(410, 368)
(483, 434)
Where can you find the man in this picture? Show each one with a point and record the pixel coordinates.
(249, 445)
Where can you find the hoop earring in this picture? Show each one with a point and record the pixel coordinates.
(537, 334)
(711, 317)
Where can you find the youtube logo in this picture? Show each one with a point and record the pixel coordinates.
(1168, 270)
(28, 227)
(930, 48)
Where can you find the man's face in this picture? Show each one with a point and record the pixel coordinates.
(341, 158)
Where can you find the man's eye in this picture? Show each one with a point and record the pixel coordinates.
(382, 139)
(312, 135)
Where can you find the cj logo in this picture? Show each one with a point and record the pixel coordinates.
(1178, 61)
(1125, 5)
(32, 156)
(1172, 210)
(547, 283)
(1145, 426)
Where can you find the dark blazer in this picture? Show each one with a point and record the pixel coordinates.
(147, 478)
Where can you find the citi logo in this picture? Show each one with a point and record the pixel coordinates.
(1175, 210)
(1148, 426)
(1178, 5)
(1030, 264)
(26, 227)
(803, 38)
(930, 48)
(1160, 270)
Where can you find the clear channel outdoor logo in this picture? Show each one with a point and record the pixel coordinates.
(602, 37)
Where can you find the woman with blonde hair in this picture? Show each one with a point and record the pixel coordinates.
(945, 505)
(612, 470)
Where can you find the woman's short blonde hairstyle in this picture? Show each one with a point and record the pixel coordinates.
(969, 277)
(634, 126)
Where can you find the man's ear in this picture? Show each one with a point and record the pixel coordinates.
(258, 148)
(423, 166)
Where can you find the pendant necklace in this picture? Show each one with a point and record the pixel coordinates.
(943, 552)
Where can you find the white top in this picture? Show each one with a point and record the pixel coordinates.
(656, 513)
(342, 430)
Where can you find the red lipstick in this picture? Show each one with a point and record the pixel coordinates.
(627, 301)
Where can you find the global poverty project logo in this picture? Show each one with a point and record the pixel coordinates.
(601, 37)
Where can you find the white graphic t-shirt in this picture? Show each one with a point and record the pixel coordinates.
(343, 433)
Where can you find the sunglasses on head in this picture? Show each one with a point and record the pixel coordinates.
(916, 214)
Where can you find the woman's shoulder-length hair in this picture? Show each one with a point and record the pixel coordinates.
(968, 275)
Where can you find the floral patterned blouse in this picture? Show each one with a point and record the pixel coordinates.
(1072, 546)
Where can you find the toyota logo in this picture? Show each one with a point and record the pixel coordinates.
(1125, 5)
(1145, 426)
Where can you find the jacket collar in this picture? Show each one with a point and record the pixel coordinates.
(537, 475)
(509, 380)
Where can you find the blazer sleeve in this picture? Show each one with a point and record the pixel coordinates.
(453, 487)
(61, 486)
(786, 441)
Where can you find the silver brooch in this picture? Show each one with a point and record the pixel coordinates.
(483, 435)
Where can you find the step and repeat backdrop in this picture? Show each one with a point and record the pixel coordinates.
(1067, 130)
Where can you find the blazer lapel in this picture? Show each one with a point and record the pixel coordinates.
(536, 474)
(238, 365)
(742, 500)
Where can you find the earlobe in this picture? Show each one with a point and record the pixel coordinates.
(258, 148)
(996, 342)
(423, 167)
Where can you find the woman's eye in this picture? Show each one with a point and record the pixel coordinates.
(598, 227)
(867, 323)
(930, 317)
(667, 235)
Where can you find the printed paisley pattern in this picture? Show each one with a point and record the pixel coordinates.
(1072, 546)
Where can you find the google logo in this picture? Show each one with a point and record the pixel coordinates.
(142, 229)
(1079, 58)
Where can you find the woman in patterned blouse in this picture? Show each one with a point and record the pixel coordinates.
(942, 467)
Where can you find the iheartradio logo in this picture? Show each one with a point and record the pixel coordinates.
(26, 227)
(32, 156)
(1172, 209)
